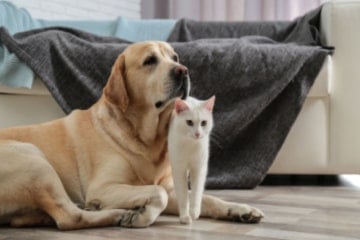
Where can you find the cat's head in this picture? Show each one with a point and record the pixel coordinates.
(194, 117)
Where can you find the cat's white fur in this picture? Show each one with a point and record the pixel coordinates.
(188, 148)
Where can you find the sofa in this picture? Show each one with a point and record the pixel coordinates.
(326, 136)
(323, 140)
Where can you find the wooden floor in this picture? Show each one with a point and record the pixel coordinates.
(292, 212)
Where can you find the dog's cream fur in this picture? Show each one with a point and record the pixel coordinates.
(106, 165)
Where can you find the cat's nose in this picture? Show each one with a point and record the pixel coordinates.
(197, 135)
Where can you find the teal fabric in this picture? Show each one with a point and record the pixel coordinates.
(142, 30)
(14, 73)
(14, 18)
(104, 28)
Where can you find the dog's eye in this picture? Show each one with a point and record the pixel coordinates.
(190, 123)
(203, 123)
(151, 60)
(175, 58)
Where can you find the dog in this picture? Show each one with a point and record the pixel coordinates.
(107, 165)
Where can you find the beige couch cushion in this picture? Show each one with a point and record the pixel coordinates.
(306, 150)
(321, 87)
(38, 88)
(23, 109)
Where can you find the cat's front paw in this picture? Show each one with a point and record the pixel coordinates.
(186, 219)
(195, 213)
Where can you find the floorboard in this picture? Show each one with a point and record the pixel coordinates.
(292, 212)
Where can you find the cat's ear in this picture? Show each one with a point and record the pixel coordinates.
(180, 106)
(209, 104)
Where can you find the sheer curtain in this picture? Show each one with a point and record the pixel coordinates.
(228, 10)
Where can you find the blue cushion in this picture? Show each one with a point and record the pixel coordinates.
(14, 73)
(142, 30)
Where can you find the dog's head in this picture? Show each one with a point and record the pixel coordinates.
(147, 74)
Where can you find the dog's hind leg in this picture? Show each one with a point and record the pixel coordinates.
(68, 216)
(52, 199)
(33, 218)
(29, 184)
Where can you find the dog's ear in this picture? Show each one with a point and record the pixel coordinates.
(115, 89)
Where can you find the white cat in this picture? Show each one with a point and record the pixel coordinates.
(188, 146)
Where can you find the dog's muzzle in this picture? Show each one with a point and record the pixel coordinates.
(180, 86)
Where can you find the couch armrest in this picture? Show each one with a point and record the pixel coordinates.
(340, 23)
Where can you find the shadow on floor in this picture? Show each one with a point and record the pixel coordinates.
(304, 180)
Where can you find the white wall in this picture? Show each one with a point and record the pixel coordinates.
(229, 10)
(80, 9)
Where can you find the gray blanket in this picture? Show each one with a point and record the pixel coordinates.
(260, 84)
(303, 30)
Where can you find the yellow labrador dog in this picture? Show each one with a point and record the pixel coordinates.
(106, 165)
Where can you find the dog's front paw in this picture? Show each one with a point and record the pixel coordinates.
(139, 217)
(93, 205)
(131, 218)
(245, 214)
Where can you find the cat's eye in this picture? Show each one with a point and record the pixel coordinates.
(190, 123)
(175, 58)
(151, 60)
(203, 123)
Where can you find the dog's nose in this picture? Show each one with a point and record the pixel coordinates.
(180, 71)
